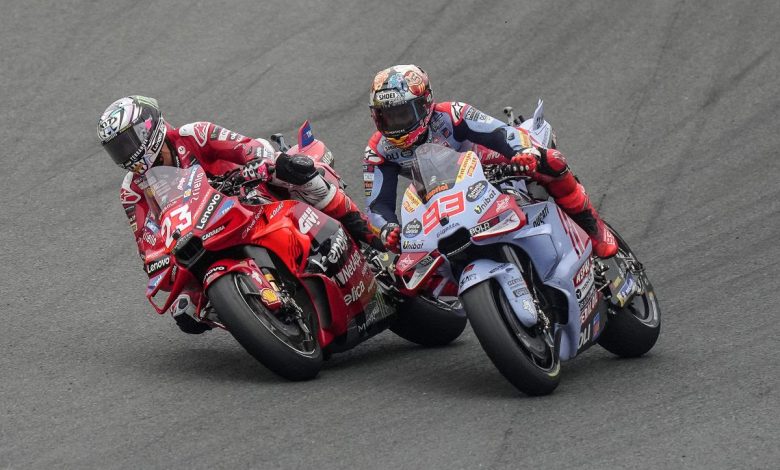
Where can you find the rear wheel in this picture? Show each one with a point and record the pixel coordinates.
(286, 345)
(428, 323)
(633, 329)
(524, 356)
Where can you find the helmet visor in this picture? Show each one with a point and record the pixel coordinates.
(138, 141)
(400, 119)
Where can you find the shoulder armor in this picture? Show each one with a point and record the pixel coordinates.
(128, 194)
(197, 130)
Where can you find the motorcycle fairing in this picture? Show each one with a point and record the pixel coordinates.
(511, 281)
(561, 254)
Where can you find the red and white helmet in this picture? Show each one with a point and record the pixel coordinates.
(132, 130)
(402, 104)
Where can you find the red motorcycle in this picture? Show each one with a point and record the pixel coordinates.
(283, 278)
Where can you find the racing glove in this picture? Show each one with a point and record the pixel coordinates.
(525, 161)
(390, 235)
(259, 169)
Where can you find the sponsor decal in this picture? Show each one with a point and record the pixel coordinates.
(268, 296)
(276, 210)
(456, 108)
(388, 96)
(149, 238)
(583, 272)
(368, 169)
(128, 196)
(368, 187)
(338, 247)
(520, 292)
(208, 211)
(411, 201)
(411, 245)
(343, 276)
(502, 203)
(223, 134)
(412, 229)
(476, 190)
(157, 265)
(474, 115)
(584, 336)
(539, 219)
(587, 305)
(486, 202)
(477, 229)
(514, 281)
(308, 221)
(213, 232)
(467, 167)
(251, 224)
(446, 229)
(404, 262)
(425, 262)
(436, 190)
(213, 271)
(196, 130)
(498, 268)
(355, 293)
(226, 206)
(466, 279)
(596, 324)
(525, 141)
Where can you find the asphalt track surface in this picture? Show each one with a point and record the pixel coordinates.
(668, 111)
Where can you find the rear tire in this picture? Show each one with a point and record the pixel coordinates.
(285, 349)
(534, 370)
(632, 330)
(421, 321)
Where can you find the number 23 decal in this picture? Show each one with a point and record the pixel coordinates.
(182, 217)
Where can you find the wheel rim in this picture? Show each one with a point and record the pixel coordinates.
(644, 307)
(534, 342)
(291, 335)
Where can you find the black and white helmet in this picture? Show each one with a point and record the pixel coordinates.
(132, 131)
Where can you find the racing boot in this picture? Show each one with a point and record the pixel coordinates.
(310, 186)
(554, 174)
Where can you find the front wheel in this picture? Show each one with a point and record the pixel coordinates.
(633, 329)
(289, 348)
(425, 322)
(524, 356)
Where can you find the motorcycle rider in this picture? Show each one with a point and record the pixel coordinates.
(136, 137)
(406, 116)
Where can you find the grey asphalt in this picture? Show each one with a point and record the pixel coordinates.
(668, 111)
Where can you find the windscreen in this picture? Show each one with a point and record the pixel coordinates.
(436, 169)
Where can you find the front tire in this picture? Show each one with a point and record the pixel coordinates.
(421, 321)
(524, 356)
(632, 330)
(285, 348)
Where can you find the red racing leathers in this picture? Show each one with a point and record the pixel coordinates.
(219, 150)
